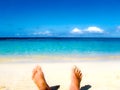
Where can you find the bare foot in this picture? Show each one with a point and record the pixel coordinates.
(75, 79)
(38, 78)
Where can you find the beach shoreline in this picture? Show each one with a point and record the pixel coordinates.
(58, 58)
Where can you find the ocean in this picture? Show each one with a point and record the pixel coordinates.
(59, 46)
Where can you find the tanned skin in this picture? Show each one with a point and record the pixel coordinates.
(39, 79)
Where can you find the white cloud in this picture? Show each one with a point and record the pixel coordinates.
(118, 27)
(94, 29)
(76, 31)
(42, 33)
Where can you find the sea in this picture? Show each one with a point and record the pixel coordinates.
(59, 46)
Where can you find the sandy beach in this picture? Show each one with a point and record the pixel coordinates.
(97, 75)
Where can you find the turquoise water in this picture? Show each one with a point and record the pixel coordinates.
(63, 46)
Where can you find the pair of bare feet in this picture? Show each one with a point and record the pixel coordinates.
(39, 79)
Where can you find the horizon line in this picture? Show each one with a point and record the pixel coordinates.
(59, 37)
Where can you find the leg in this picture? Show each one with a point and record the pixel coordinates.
(39, 79)
(75, 79)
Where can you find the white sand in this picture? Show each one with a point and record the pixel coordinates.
(100, 75)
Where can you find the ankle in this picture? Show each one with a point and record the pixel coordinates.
(43, 86)
(74, 86)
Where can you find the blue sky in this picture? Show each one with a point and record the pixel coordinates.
(60, 18)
